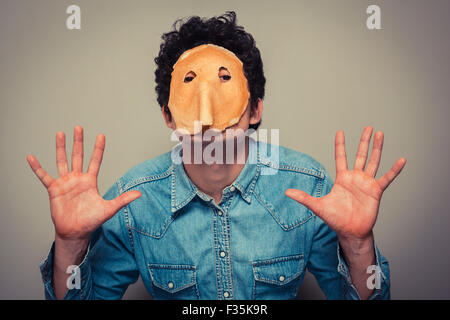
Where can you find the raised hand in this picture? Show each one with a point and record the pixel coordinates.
(351, 207)
(77, 208)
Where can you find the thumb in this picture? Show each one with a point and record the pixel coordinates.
(302, 197)
(121, 201)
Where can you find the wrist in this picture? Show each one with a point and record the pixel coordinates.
(69, 251)
(356, 245)
(358, 251)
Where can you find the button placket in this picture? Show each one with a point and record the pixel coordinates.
(221, 247)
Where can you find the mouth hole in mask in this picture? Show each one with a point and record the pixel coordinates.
(224, 74)
(189, 76)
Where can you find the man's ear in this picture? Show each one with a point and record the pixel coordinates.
(256, 113)
(168, 117)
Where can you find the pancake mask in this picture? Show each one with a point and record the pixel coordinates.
(208, 85)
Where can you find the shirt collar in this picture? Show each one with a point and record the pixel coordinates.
(183, 190)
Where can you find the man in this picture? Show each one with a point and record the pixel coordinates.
(216, 230)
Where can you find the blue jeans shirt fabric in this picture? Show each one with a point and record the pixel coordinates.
(255, 244)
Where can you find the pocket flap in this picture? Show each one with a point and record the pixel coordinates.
(278, 271)
(172, 278)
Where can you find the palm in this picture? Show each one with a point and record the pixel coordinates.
(76, 206)
(351, 207)
(358, 196)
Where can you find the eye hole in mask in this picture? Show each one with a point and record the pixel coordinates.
(189, 76)
(224, 74)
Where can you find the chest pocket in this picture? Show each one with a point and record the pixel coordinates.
(277, 278)
(173, 281)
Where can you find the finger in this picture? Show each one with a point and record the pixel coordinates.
(97, 155)
(374, 161)
(121, 201)
(363, 149)
(45, 178)
(339, 152)
(77, 151)
(302, 197)
(61, 157)
(386, 180)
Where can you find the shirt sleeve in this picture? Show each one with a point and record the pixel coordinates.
(330, 270)
(109, 266)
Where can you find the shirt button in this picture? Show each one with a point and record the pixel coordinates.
(222, 254)
(170, 285)
(232, 188)
(281, 278)
(219, 213)
(226, 294)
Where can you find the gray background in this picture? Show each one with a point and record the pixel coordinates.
(325, 71)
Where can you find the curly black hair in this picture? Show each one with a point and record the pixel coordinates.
(221, 31)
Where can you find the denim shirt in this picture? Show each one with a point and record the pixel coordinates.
(255, 244)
